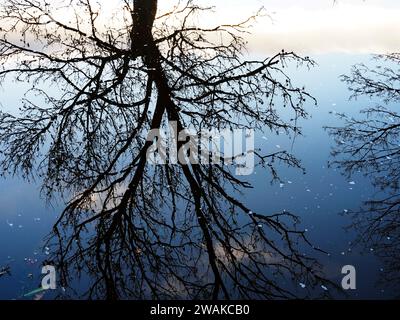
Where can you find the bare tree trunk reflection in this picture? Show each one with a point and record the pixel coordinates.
(371, 145)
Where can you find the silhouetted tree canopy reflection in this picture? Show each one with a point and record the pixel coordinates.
(371, 145)
(143, 231)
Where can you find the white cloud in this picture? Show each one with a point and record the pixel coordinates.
(345, 28)
(307, 27)
(316, 26)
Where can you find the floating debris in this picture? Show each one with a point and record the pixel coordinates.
(281, 185)
(34, 292)
(39, 296)
(352, 183)
(278, 146)
(5, 271)
(10, 224)
(30, 260)
(250, 213)
(324, 288)
(302, 285)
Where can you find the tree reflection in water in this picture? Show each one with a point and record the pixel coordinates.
(143, 231)
(371, 145)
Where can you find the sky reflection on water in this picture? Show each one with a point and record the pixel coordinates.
(318, 197)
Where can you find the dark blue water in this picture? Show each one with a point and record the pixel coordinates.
(318, 197)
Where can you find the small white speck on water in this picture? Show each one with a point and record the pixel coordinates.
(302, 285)
(250, 213)
(290, 182)
(281, 185)
(260, 225)
(324, 288)
(352, 183)
(278, 146)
